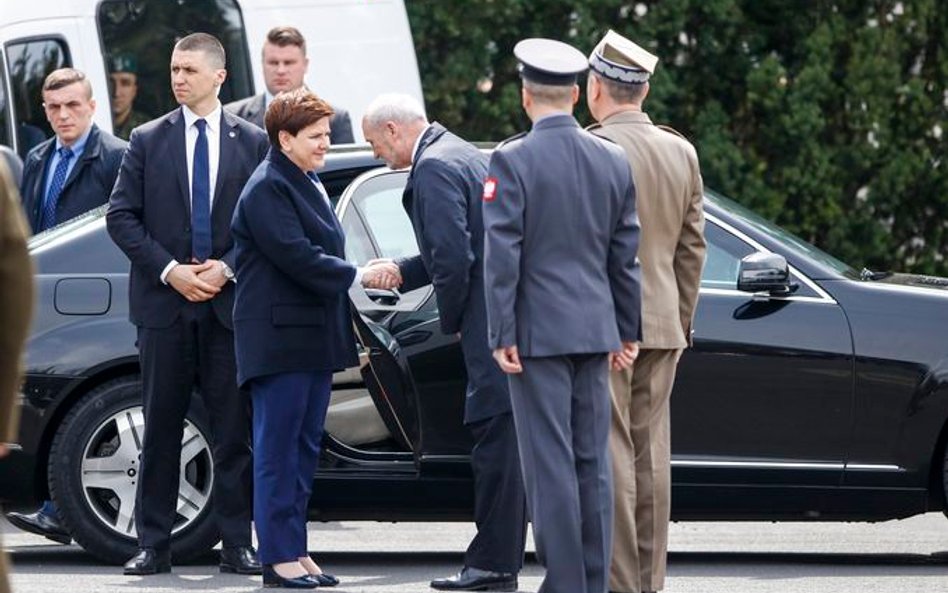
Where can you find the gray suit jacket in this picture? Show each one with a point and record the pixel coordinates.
(561, 236)
(443, 199)
(252, 110)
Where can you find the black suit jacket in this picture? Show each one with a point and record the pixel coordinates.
(252, 110)
(88, 185)
(149, 215)
(292, 308)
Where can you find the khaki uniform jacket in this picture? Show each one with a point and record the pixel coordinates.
(16, 300)
(16, 304)
(669, 194)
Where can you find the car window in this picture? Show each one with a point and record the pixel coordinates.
(787, 239)
(723, 261)
(30, 61)
(5, 133)
(359, 249)
(385, 215)
(723, 258)
(137, 38)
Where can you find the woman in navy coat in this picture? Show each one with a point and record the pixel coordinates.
(292, 327)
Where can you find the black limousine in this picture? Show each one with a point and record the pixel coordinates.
(814, 391)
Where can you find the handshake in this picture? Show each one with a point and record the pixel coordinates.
(382, 274)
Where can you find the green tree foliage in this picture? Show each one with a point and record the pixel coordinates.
(826, 116)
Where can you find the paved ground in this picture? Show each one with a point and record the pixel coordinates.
(909, 556)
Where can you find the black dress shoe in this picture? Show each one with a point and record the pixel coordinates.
(272, 579)
(148, 561)
(324, 579)
(40, 523)
(475, 579)
(241, 559)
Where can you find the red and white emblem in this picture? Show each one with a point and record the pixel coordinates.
(490, 189)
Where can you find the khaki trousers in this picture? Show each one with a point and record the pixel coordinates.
(4, 585)
(639, 443)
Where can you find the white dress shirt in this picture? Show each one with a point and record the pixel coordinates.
(414, 150)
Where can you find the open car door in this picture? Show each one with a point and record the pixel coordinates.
(415, 373)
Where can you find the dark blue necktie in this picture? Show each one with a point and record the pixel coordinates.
(200, 197)
(55, 188)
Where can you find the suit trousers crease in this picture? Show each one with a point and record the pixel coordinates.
(195, 351)
(561, 411)
(640, 445)
(500, 511)
(289, 412)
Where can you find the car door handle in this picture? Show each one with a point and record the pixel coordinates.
(383, 296)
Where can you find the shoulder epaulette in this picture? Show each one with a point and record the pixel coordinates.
(513, 138)
(671, 130)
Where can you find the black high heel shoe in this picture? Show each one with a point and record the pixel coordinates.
(324, 579)
(272, 579)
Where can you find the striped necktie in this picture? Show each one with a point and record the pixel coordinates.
(48, 218)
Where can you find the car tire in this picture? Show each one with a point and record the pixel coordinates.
(93, 465)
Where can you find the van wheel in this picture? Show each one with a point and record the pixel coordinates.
(93, 474)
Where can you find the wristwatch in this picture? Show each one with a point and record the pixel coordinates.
(227, 272)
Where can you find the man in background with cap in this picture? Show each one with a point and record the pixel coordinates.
(124, 82)
(561, 236)
(284, 68)
(443, 198)
(669, 195)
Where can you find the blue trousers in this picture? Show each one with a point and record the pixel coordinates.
(289, 411)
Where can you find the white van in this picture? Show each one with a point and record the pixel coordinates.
(357, 49)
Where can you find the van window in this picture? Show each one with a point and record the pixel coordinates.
(29, 62)
(137, 39)
(5, 137)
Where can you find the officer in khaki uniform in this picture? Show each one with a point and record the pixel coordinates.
(16, 302)
(671, 252)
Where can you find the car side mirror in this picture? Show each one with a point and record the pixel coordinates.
(765, 272)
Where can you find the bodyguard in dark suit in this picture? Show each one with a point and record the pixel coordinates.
(443, 199)
(65, 176)
(293, 327)
(74, 171)
(562, 294)
(284, 68)
(170, 213)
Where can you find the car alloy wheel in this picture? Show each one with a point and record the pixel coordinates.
(93, 475)
(110, 467)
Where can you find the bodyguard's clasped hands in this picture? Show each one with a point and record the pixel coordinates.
(197, 282)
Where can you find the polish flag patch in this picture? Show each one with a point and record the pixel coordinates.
(490, 189)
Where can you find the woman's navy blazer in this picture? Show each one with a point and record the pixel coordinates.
(291, 311)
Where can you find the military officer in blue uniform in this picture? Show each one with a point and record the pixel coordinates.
(563, 304)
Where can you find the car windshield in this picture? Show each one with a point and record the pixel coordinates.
(780, 235)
